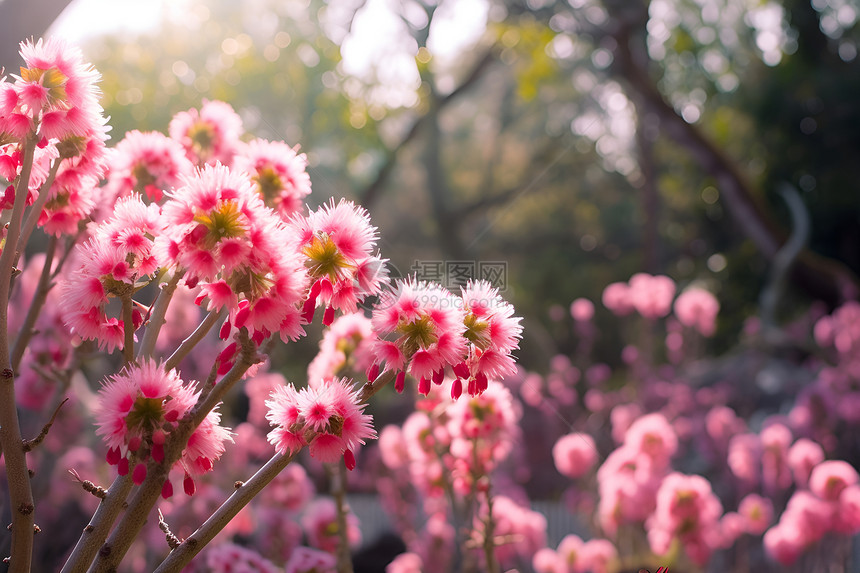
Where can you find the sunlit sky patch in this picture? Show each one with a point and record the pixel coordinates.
(378, 43)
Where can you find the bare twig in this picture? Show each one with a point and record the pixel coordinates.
(89, 486)
(189, 343)
(172, 541)
(157, 316)
(29, 445)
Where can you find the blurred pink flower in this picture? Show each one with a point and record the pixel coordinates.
(617, 297)
(210, 135)
(279, 172)
(582, 310)
(697, 308)
(652, 296)
(574, 454)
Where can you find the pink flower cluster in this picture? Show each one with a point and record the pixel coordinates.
(651, 296)
(573, 555)
(55, 97)
(832, 504)
(53, 102)
(345, 347)
(138, 410)
(327, 417)
(115, 262)
(482, 430)
(424, 329)
(219, 232)
(687, 510)
(631, 475)
(697, 308)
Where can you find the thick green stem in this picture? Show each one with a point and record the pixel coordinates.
(17, 475)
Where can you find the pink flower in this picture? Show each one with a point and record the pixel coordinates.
(231, 558)
(697, 308)
(547, 561)
(57, 90)
(574, 454)
(809, 515)
(775, 440)
(802, 457)
(622, 417)
(732, 526)
(392, 447)
(347, 346)
(628, 483)
(744, 457)
(597, 556)
(71, 199)
(220, 232)
(140, 407)
(119, 253)
(526, 529)
(721, 424)
(651, 296)
(337, 243)
(279, 172)
(784, 544)
(425, 325)
(210, 135)
(290, 491)
(618, 298)
(405, 563)
(307, 560)
(582, 310)
(331, 413)
(570, 552)
(483, 427)
(653, 436)
(847, 518)
(757, 512)
(320, 524)
(828, 479)
(146, 163)
(687, 510)
(492, 331)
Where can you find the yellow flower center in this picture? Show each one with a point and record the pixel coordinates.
(324, 259)
(226, 220)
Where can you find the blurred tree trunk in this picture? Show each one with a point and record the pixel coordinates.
(823, 278)
(22, 19)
